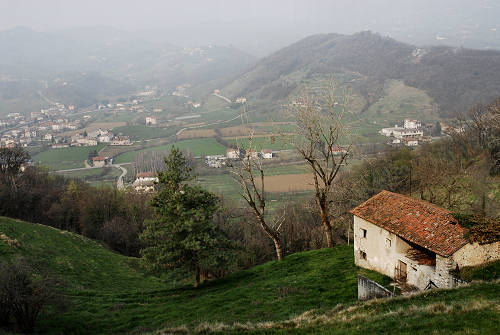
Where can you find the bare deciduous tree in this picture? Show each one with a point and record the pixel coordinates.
(249, 174)
(323, 143)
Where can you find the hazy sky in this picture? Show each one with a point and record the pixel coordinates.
(266, 24)
(152, 14)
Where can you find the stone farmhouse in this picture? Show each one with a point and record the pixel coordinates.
(414, 242)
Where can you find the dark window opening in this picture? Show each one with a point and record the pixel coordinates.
(363, 233)
(362, 254)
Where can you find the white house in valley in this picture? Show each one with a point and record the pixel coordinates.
(233, 153)
(266, 153)
(145, 181)
(414, 242)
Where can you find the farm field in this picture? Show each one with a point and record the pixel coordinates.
(66, 158)
(288, 183)
(141, 132)
(223, 184)
(94, 175)
(273, 142)
(119, 117)
(94, 126)
(197, 147)
(201, 147)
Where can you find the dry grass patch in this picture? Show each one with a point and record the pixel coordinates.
(238, 131)
(197, 133)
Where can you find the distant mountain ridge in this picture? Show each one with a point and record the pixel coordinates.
(455, 78)
(121, 63)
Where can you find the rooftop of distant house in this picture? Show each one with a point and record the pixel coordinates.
(417, 221)
(98, 158)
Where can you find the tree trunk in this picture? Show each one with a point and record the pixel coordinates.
(277, 246)
(273, 235)
(197, 277)
(327, 227)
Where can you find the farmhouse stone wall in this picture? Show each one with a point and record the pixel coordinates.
(369, 289)
(473, 254)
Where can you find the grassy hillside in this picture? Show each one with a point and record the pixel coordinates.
(83, 264)
(454, 78)
(466, 310)
(109, 294)
(66, 158)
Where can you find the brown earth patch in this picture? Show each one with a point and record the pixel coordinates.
(238, 131)
(276, 135)
(197, 133)
(271, 123)
(288, 183)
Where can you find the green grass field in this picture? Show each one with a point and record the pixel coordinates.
(201, 147)
(66, 158)
(400, 102)
(83, 264)
(109, 294)
(93, 175)
(269, 142)
(141, 132)
(197, 147)
(466, 310)
(223, 184)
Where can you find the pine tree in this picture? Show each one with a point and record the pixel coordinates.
(184, 237)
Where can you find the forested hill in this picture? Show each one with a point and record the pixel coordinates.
(455, 78)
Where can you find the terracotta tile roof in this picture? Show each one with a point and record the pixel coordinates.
(420, 222)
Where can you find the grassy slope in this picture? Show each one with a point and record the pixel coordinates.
(66, 158)
(468, 310)
(198, 147)
(273, 291)
(83, 264)
(141, 132)
(109, 293)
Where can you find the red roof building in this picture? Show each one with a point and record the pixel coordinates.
(420, 222)
(414, 242)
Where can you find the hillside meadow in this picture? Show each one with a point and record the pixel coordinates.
(66, 158)
(109, 293)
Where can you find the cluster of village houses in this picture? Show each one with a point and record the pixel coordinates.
(410, 134)
(39, 126)
(47, 126)
(92, 138)
(218, 161)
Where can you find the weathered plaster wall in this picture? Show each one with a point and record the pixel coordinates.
(384, 258)
(473, 254)
(369, 289)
